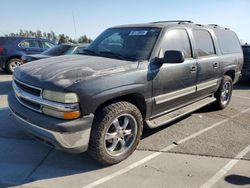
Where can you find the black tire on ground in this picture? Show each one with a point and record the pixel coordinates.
(224, 93)
(103, 122)
(11, 63)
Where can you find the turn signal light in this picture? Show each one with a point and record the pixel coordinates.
(71, 115)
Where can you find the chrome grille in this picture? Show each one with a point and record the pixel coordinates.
(29, 89)
(25, 94)
(31, 97)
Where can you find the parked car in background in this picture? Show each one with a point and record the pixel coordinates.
(62, 49)
(246, 65)
(13, 48)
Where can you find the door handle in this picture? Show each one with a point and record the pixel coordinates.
(215, 65)
(193, 69)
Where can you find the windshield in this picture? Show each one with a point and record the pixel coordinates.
(57, 50)
(124, 43)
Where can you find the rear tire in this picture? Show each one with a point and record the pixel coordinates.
(224, 93)
(115, 133)
(12, 64)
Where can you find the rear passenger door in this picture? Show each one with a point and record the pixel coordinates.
(174, 84)
(207, 62)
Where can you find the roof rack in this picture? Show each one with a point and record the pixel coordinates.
(199, 25)
(217, 26)
(175, 21)
(213, 25)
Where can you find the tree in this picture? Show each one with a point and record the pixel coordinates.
(61, 39)
(53, 36)
(21, 33)
(39, 34)
(84, 39)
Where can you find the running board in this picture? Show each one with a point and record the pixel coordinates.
(171, 116)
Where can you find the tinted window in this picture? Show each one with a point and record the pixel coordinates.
(47, 44)
(29, 44)
(203, 42)
(228, 41)
(177, 40)
(57, 50)
(125, 43)
(246, 50)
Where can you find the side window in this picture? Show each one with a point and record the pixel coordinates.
(228, 41)
(29, 44)
(204, 43)
(47, 45)
(79, 50)
(177, 40)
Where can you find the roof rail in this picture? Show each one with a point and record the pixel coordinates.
(217, 26)
(175, 21)
(213, 25)
(199, 25)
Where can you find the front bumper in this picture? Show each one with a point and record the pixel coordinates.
(71, 136)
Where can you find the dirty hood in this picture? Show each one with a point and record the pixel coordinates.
(64, 71)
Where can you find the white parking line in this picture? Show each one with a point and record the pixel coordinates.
(154, 155)
(221, 173)
(243, 97)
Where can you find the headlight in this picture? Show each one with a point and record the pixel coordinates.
(60, 97)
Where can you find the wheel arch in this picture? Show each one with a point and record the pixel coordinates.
(11, 57)
(136, 99)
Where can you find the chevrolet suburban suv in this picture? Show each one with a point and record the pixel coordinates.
(130, 77)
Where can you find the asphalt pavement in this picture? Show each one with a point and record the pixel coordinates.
(208, 148)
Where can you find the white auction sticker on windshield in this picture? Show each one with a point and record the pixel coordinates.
(132, 33)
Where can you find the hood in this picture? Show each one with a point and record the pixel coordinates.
(63, 71)
(38, 56)
(28, 58)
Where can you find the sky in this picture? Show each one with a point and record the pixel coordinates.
(93, 16)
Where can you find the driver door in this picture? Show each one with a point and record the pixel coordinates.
(175, 83)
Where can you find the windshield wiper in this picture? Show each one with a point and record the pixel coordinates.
(118, 56)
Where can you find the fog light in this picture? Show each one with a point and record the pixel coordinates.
(60, 114)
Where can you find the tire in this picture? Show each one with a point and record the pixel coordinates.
(224, 93)
(115, 133)
(12, 64)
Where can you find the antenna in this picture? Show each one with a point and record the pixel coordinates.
(73, 16)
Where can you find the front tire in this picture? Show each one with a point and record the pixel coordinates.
(224, 93)
(12, 64)
(115, 133)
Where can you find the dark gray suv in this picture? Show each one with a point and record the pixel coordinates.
(131, 76)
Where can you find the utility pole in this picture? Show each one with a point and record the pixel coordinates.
(73, 16)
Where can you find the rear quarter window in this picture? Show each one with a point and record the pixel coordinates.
(228, 41)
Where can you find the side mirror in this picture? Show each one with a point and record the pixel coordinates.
(173, 56)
